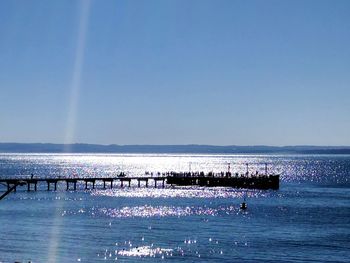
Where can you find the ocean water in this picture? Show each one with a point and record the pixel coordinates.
(306, 220)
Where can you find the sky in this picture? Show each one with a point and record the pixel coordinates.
(175, 72)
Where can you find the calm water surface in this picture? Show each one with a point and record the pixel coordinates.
(308, 219)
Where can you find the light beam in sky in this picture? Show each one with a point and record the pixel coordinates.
(75, 85)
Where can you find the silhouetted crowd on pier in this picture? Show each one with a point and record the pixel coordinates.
(209, 174)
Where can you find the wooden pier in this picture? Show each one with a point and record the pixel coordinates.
(250, 181)
(71, 183)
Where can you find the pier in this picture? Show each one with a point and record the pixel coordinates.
(249, 181)
(89, 182)
(227, 179)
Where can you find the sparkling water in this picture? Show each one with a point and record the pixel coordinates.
(307, 219)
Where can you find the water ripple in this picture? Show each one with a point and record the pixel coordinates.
(183, 192)
(145, 251)
(146, 211)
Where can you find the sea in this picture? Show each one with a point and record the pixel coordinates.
(306, 220)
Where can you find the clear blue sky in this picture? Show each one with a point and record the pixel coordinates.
(175, 72)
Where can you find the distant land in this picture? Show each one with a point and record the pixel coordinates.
(191, 148)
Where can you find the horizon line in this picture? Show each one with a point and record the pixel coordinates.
(184, 144)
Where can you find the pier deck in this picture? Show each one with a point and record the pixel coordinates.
(71, 183)
(170, 178)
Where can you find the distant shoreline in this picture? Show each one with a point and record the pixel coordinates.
(171, 149)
